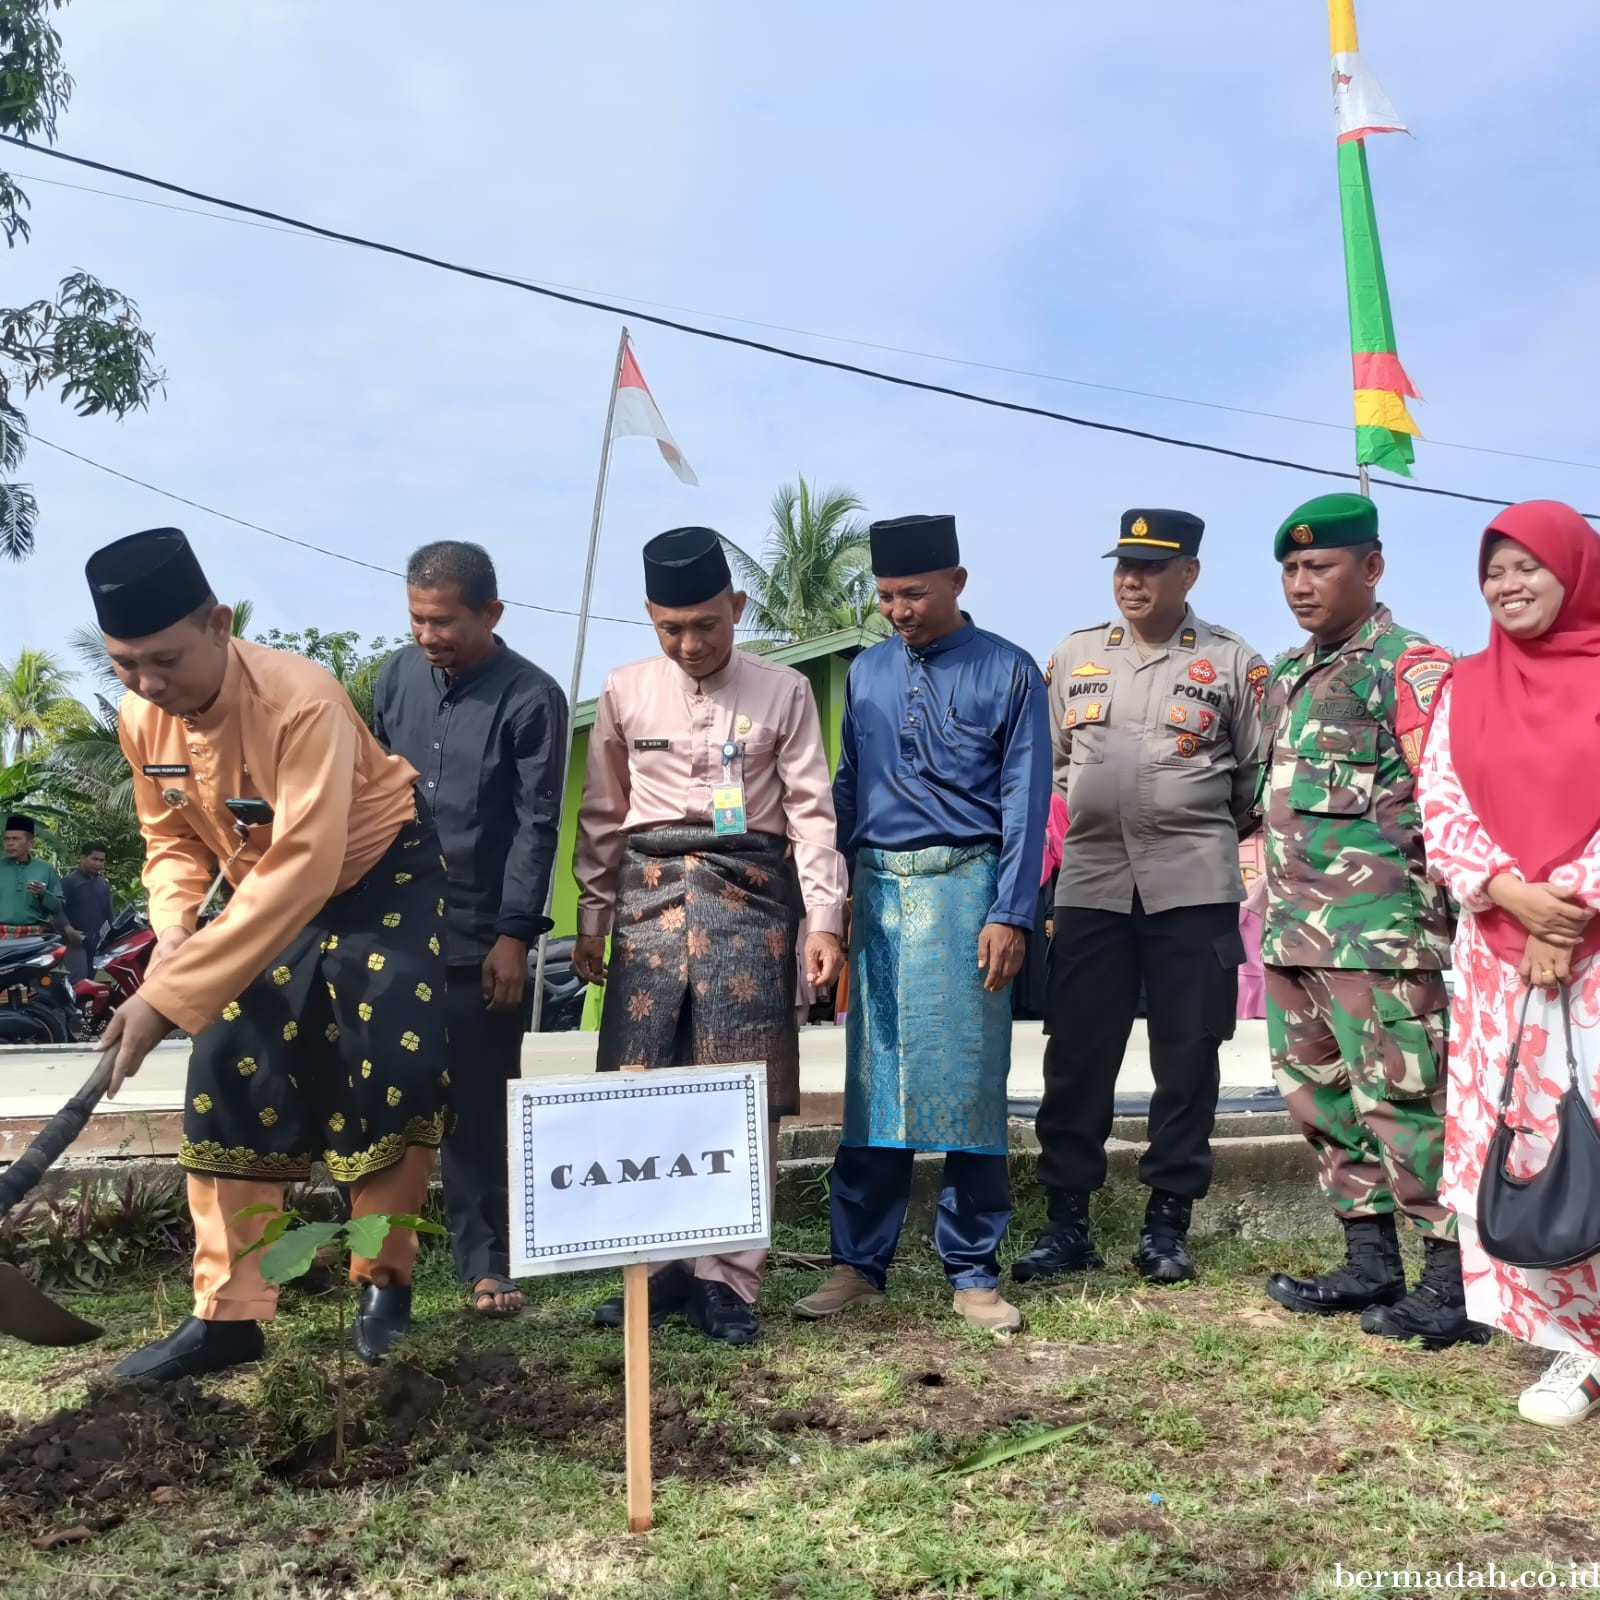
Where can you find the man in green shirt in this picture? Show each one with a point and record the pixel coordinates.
(30, 890)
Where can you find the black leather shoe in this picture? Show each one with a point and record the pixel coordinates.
(382, 1316)
(1066, 1245)
(1373, 1274)
(669, 1289)
(194, 1347)
(720, 1314)
(1163, 1254)
(1435, 1311)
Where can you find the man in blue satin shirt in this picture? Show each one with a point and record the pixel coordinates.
(942, 792)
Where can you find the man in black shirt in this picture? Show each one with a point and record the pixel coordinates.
(86, 902)
(458, 692)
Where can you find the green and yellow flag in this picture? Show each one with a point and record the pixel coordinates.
(1384, 428)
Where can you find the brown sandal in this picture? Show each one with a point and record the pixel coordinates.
(483, 1300)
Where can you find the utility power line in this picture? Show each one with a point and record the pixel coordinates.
(593, 304)
(839, 338)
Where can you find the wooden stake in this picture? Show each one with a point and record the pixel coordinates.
(636, 1389)
(636, 1386)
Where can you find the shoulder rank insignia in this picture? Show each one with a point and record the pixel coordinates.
(1186, 639)
(1090, 670)
(1115, 638)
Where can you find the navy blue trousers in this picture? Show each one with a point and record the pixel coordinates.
(870, 1189)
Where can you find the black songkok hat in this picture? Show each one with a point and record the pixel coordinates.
(903, 547)
(685, 567)
(1157, 536)
(19, 824)
(145, 583)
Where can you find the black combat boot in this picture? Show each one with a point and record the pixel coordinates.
(1163, 1256)
(1436, 1310)
(1065, 1246)
(1371, 1276)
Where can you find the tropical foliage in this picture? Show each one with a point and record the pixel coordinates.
(85, 340)
(813, 575)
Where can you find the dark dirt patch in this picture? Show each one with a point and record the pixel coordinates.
(155, 1443)
(126, 1441)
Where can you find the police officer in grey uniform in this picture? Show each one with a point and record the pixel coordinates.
(1157, 722)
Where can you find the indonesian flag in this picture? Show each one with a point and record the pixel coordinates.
(1384, 427)
(637, 414)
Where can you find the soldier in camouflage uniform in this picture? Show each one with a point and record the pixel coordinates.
(1355, 936)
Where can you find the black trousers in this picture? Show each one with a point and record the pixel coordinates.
(485, 1054)
(1188, 961)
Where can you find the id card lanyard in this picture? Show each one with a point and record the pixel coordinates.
(727, 798)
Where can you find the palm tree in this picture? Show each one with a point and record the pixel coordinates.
(814, 576)
(34, 700)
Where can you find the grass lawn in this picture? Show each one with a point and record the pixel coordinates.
(1225, 1449)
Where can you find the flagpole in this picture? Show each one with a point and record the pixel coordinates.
(1366, 479)
(577, 654)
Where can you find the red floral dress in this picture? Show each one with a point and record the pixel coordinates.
(1555, 1310)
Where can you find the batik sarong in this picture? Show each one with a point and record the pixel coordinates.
(336, 1053)
(702, 957)
(927, 1049)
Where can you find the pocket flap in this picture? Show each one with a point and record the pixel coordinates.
(1355, 742)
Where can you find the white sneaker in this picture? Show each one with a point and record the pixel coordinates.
(1566, 1394)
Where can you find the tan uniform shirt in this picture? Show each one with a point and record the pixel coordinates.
(282, 730)
(1156, 758)
(655, 755)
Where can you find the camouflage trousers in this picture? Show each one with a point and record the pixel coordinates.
(1359, 1058)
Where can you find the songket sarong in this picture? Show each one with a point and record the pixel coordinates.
(702, 957)
(927, 1049)
(336, 1053)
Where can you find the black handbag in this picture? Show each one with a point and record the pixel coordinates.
(1552, 1218)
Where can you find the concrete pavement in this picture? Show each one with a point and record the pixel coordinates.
(146, 1118)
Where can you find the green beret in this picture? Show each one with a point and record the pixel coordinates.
(1330, 522)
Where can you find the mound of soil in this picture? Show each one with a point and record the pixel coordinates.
(126, 1441)
(150, 1442)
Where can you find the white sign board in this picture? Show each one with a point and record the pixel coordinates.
(618, 1167)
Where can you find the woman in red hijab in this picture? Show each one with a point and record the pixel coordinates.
(1510, 790)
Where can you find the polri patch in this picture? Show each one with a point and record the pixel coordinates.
(166, 769)
(652, 744)
(1202, 671)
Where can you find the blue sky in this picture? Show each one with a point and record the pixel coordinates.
(1140, 197)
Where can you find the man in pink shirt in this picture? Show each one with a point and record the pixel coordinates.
(703, 902)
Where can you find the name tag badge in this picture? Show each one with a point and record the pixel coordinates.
(166, 770)
(727, 808)
(652, 744)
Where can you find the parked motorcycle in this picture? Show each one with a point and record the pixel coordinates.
(564, 990)
(36, 1002)
(123, 956)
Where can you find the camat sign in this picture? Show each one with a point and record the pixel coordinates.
(612, 1168)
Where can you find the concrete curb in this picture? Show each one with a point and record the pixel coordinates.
(1265, 1183)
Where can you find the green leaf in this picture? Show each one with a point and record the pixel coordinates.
(296, 1250)
(366, 1234)
(279, 1226)
(263, 1208)
(1008, 1448)
(409, 1219)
